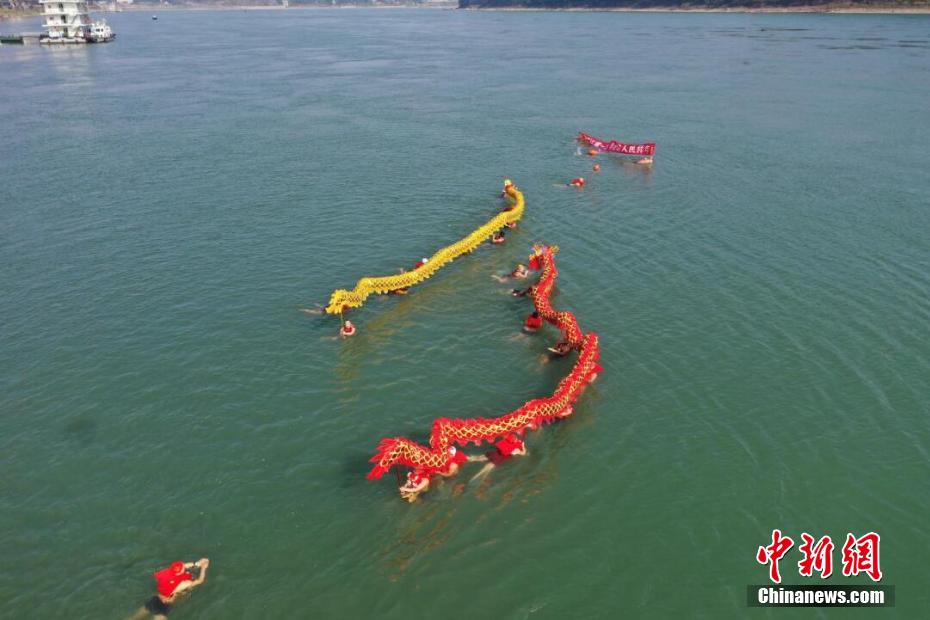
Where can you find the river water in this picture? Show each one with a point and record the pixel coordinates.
(169, 201)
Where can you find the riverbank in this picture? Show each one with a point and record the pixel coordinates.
(829, 8)
(13, 14)
(839, 8)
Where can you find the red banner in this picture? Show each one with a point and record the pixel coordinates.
(619, 147)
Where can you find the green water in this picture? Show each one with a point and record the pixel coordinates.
(169, 201)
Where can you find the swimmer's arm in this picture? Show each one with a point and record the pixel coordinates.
(203, 574)
(477, 457)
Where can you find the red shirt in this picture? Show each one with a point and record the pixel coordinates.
(456, 459)
(533, 322)
(169, 580)
(504, 450)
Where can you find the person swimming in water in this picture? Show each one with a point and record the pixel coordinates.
(508, 447)
(561, 348)
(522, 293)
(507, 185)
(532, 323)
(172, 582)
(645, 160)
(417, 482)
(347, 330)
(498, 237)
(519, 272)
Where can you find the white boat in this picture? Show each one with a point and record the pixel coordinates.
(100, 32)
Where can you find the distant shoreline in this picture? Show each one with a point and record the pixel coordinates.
(11, 15)
(846, 9)
(827, 8)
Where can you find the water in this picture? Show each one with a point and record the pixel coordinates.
(170, 200)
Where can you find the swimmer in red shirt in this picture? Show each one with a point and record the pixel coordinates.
(417, 482)
(347, 329)
(171, 583)
(508, 447)
(533, 322)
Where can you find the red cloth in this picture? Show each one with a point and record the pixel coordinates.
(459, 457)
(535, 263)
(170, 578)
(619, 147)
(533, 322)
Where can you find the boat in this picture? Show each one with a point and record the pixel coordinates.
(100, 32)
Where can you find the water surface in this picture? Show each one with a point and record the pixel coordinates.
(168, 202)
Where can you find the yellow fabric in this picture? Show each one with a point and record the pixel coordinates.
(341, 298)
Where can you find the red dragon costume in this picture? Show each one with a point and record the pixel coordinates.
(446, 432)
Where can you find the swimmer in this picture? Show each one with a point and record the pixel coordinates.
(508, 447)
(645, 161)
(347, 329)
(417, 482)
(519, 272)
(420, 263)
(561, 348)
(596, 168)
(510, 225)
(172, 582)
(508, 184)
(533, 322)
(316, 310)
(498, 237)
(456, 458)
(576, 182)
(518, 293)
